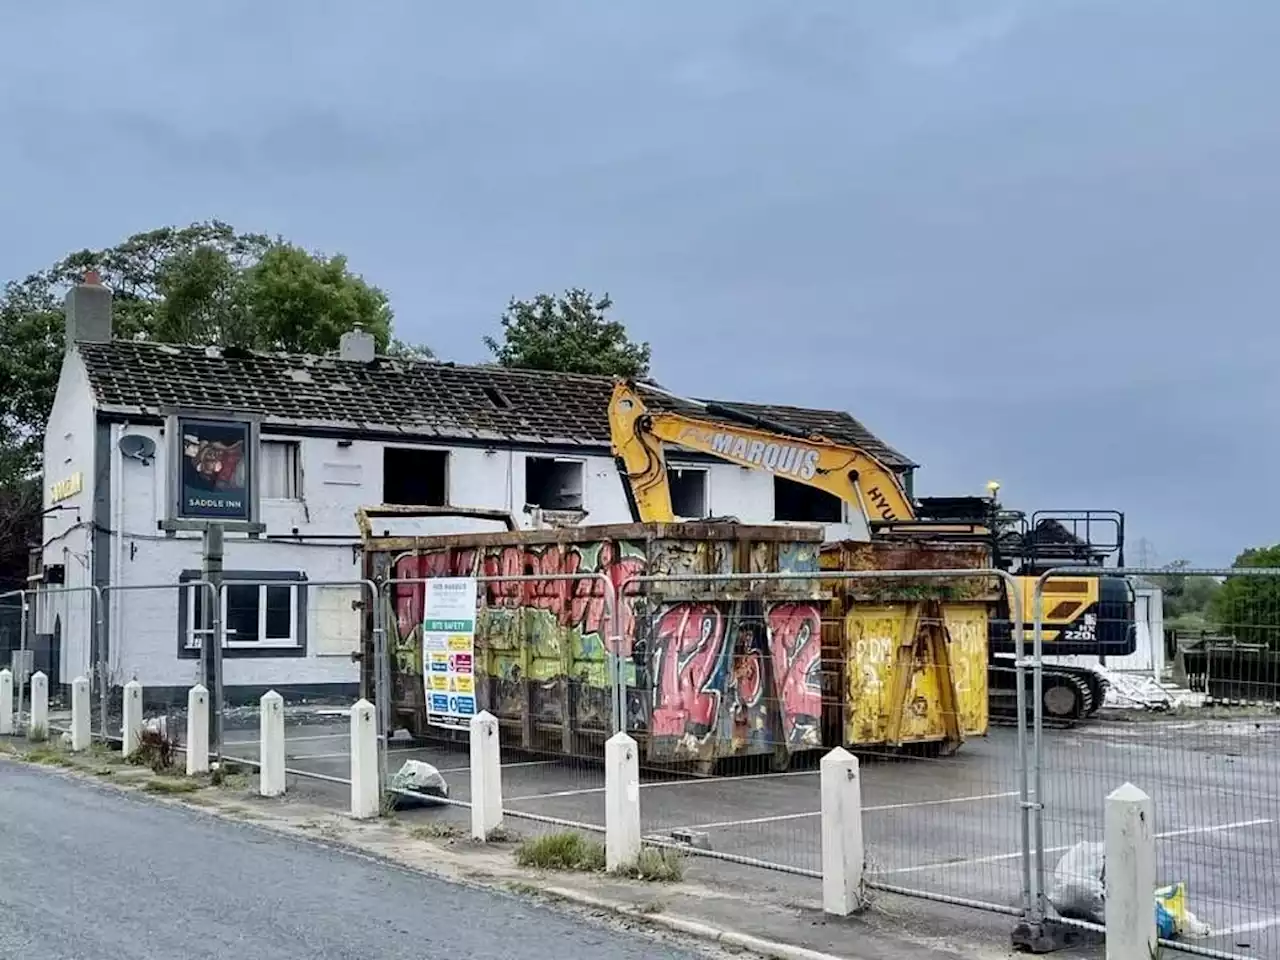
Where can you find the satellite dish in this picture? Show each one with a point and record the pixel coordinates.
(137, 447)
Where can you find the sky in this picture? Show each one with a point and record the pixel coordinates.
(1025, 240)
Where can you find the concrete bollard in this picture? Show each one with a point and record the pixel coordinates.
(271, 745)
(486, 776)
(842, 854)
(80, 714)
(1131, 874)
(38, 727)
(132, 726)
(197, 730)
(365, 798)
(621, 802)
(6, 702)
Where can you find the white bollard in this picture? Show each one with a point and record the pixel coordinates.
(365, 801)
(132, 728)
(842, 855)
(271, 745)
(38, 728)
(1131, 874)
(486, 776)
(197, 730)
(6, 702)
(621, 802)
(80, 714)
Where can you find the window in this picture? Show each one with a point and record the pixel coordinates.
(553, 483)
(796, 502)
(414, 477)
(280, 470)
(260, 616)
(688, 492)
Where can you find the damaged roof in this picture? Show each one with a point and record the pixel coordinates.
(419, 398)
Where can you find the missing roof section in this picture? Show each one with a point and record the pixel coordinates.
(496, 398)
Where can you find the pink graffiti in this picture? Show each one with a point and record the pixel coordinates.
(688, 642)
(795, 648)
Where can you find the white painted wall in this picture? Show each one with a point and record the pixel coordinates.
(67, 533)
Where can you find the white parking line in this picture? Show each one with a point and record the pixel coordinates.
(687, 782)
(817, 813)
(1245, 927)
(998, 857)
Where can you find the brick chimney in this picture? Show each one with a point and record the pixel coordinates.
(88, 310)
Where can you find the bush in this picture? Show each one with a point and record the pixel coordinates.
(155, 750)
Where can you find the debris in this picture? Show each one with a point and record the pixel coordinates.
(422, 779)
(1078, 891)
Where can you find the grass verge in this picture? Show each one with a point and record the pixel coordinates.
(561, 851)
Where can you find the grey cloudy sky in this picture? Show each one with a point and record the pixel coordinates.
(1026, 240)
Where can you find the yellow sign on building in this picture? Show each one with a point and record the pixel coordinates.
(67, 488)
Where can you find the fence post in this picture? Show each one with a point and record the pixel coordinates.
(366, 801)
(132, 732)
(80, 714)
(486, 776)
(1131, 874)
(6, 702)
(197, 730)
(621, 802)
(842, 854)
(38, 727)
(271, 745)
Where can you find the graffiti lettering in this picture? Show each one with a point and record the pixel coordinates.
(795, 648)
(689, 647)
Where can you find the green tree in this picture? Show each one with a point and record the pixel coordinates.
(569, 334)
(1248, 608)
(1187, 597)
(206, 284)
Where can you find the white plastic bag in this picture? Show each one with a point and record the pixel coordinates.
(1078, 888)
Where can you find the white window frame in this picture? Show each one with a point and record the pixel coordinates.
(294, 454)
(194, 634)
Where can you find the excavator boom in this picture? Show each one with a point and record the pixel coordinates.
(846, 472)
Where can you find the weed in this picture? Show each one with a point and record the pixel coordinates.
(656, 864)
(155, 750)
(501, 835)
(435, 831)
(38, 734)
(49, 756)
(229, 781)
(561, 851)
(104, 772)
(171, 785)
(524, 889)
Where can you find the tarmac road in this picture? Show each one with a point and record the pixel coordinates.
(89, 874)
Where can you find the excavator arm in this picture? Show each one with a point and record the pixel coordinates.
(847, 472)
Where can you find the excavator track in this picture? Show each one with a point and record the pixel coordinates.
(1069, 694)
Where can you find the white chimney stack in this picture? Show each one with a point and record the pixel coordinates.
(357, 345)
(87, 306)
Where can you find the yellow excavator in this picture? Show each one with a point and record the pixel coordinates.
(1092, 615)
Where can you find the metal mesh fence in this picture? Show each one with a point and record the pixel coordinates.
(1213, 773)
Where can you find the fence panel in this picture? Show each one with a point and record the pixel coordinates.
(738, 684)
(539, 656)
(1214, 776)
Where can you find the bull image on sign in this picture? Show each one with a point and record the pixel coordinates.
(214, 469)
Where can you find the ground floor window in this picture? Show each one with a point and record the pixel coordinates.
(263, 613)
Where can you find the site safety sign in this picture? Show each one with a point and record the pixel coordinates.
(448, 650)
